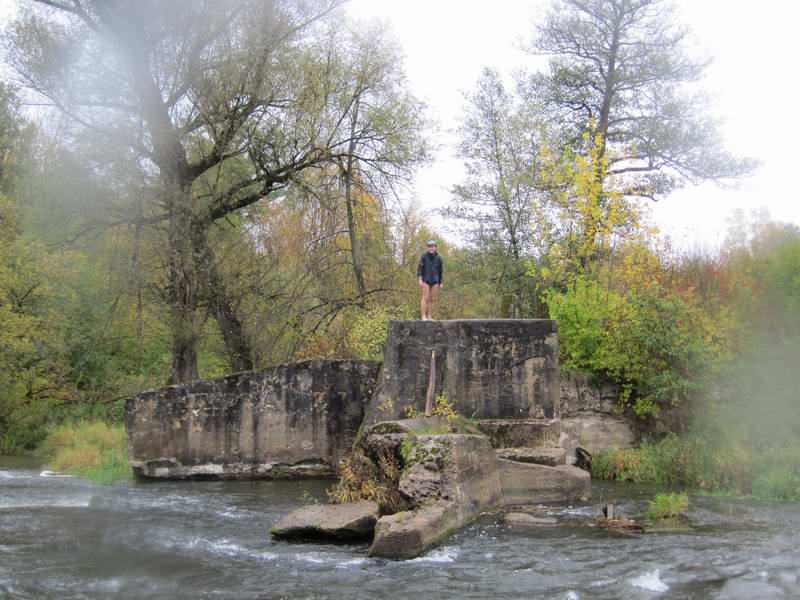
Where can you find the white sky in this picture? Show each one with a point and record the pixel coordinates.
(753, 79)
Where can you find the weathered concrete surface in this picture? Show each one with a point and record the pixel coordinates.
(295, 420)
(551, 457)
(524, 520)
(579, 393)
(491, 368)
(344, 522)
(525, 483)
(450, 478)
(596, 432)
(588, 416)
(522, 433)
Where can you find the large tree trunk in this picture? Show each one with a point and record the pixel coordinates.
(183, 273)
(358, 269)
(240, 352)
(182, 287)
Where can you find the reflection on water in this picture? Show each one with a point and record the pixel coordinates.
(67, 538)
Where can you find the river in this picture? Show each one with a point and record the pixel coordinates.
(64, 537)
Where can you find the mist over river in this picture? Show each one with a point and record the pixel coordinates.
(63, 537)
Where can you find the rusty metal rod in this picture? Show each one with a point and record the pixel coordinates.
(431, 384)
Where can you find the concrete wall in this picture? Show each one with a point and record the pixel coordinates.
(580, 394)
(291, 420)
(491, 368)
(589, 419)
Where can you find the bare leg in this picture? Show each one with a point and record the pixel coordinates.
(423, 304)
(432, 293)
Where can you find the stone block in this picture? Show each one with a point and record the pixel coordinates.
(522, 433)
(525, 520)
(525, 483)
(551, 457)
(464, 468)
(580, 394)
(594, 432)
(355, 521)
(408, 534)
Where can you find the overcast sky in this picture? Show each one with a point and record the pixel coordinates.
(753, 79)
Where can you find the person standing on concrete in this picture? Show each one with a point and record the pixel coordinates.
(430, 274)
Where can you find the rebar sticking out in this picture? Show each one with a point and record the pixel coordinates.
(431, 384)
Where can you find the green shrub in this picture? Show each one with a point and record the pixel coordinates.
(407, 447)
(603, 465)
(778, 473)
(668, 506)
(94, 450)
(659, 347)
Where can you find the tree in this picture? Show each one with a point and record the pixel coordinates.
(501, 201)
(386, 130)
(622, 71)
(216, 105)
(31, 349)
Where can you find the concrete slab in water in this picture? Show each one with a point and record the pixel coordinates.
(335, 521)
(525, 483)
(465, 473)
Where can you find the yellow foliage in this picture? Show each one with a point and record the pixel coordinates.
(411, 412)
(595, 214)
(444, 407)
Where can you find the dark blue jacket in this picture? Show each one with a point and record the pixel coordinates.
(431, 268)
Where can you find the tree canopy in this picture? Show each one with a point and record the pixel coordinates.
(626, 71)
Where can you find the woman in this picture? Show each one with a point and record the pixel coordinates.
(430, 274)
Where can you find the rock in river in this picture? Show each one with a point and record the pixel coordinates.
(520, 519)
(345, 522)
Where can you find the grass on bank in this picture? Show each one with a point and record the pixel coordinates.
(698, 462)
(91, 449)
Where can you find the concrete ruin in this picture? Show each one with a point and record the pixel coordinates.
(503, 376)
(295, 420)
(448, 479)
(590, 418)
(491, 368)
(506, 448)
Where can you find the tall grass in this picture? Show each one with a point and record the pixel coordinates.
(702, 462)
(91, 449)
(668, 506)
(362, 479)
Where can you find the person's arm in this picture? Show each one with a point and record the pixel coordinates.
(420, 267)
(441, 271)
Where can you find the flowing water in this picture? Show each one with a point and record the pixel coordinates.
(63, 537)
